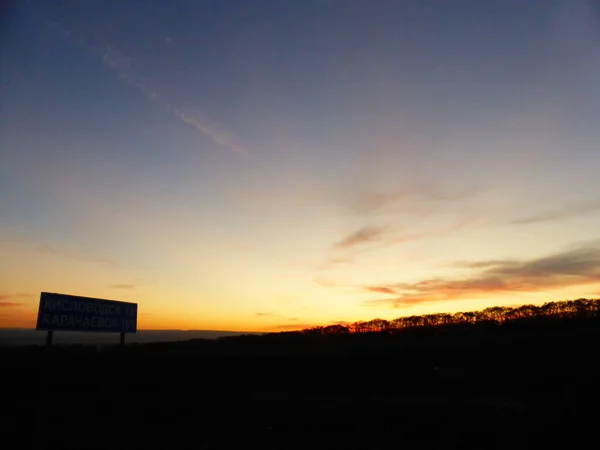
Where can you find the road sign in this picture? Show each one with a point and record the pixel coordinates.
(61, 312)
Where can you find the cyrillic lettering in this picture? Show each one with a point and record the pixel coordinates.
(114, 310)
(52, 304)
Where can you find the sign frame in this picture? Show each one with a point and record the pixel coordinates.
(66, 312)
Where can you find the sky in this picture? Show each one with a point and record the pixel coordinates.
(271, 165)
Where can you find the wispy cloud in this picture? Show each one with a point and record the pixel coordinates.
(45, 248)
(218, 135)
(561, 213)
(8, 296)
(7, 300)
(291, 326)
(481, 264)
(123, 286)
(4, 304)
(340, 260)
(363, 236)
(379, 237)
(335, 261)
(274, 315)
(365, 201)
(325, 282)
(51, 250)
(574, 267)
(304, 326)
(381, 290)
(122, 65)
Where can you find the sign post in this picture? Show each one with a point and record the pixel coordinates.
(62, 312)
(49, 337)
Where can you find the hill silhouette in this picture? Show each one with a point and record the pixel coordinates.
(32, 337)
(549, 316)
(521, 377)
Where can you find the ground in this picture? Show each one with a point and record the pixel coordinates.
(539, 392)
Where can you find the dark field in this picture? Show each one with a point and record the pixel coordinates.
(485, 390)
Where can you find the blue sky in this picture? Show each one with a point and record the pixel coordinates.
(265, 164)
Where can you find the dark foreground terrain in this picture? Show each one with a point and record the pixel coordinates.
(487, 390)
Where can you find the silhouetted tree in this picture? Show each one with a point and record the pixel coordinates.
(580, 309)
(378, 325)
(335, 330)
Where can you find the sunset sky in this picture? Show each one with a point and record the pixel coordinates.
(270, 165)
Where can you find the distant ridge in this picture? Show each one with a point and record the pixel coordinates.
(29, 336)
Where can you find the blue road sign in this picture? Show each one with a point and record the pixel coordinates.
(73, 313)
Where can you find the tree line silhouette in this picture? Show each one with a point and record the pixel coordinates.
(563, 313)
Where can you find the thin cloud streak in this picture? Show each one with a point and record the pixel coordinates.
(381, 290)
(305, 326)
(383, 237)
(122, 66)
(575, 267)
(481, 264)
(9, 296)
(6, 300)
(363, 236)
(273, 315)
(284, 327)
(562, 213)
(123, 286)
(325, 282)
(50, 250)
(9, 304)
(365, 202)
